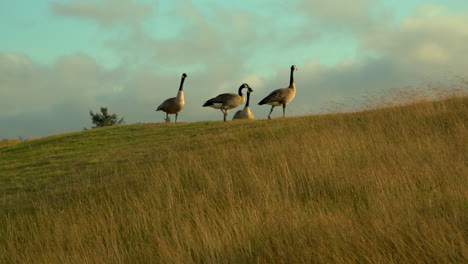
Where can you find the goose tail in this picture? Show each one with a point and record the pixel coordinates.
(208, 103)
(264, 101)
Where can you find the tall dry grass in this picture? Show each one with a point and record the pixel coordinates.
(9, 142)
(381, 186)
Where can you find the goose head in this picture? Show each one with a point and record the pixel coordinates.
(184, 75)
(293, 68)
(244, 86)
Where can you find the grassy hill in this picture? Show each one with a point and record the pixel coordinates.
(380, 186)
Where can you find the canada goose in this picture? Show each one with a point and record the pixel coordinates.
(281, 96)
(245, 113)
(175, 104)
(227, 101)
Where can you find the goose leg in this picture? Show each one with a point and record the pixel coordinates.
(176, 117)
(269, 115)
(224, 114)
(167, 118)
(284, 110)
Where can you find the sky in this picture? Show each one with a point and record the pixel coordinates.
(59, 59)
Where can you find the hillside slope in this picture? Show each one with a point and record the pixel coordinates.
(380, 186)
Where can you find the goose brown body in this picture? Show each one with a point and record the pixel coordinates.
(245, 113)
(227, 101)
(174, 105)
(281, 96)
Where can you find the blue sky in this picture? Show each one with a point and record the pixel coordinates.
(60, 59)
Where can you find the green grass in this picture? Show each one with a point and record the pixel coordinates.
(378, 186)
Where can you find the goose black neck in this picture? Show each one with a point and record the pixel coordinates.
(291, 78)
(181, 88)
(240, 90)
(248, 99)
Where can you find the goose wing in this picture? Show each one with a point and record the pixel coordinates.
(167, 103)
(275, 96)
(237, 115)
(224, 99)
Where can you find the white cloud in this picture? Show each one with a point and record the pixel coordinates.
(28, 86)
(222, 48)
(105, 12)
(432, 38)
(432, 52)
(253, 80)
